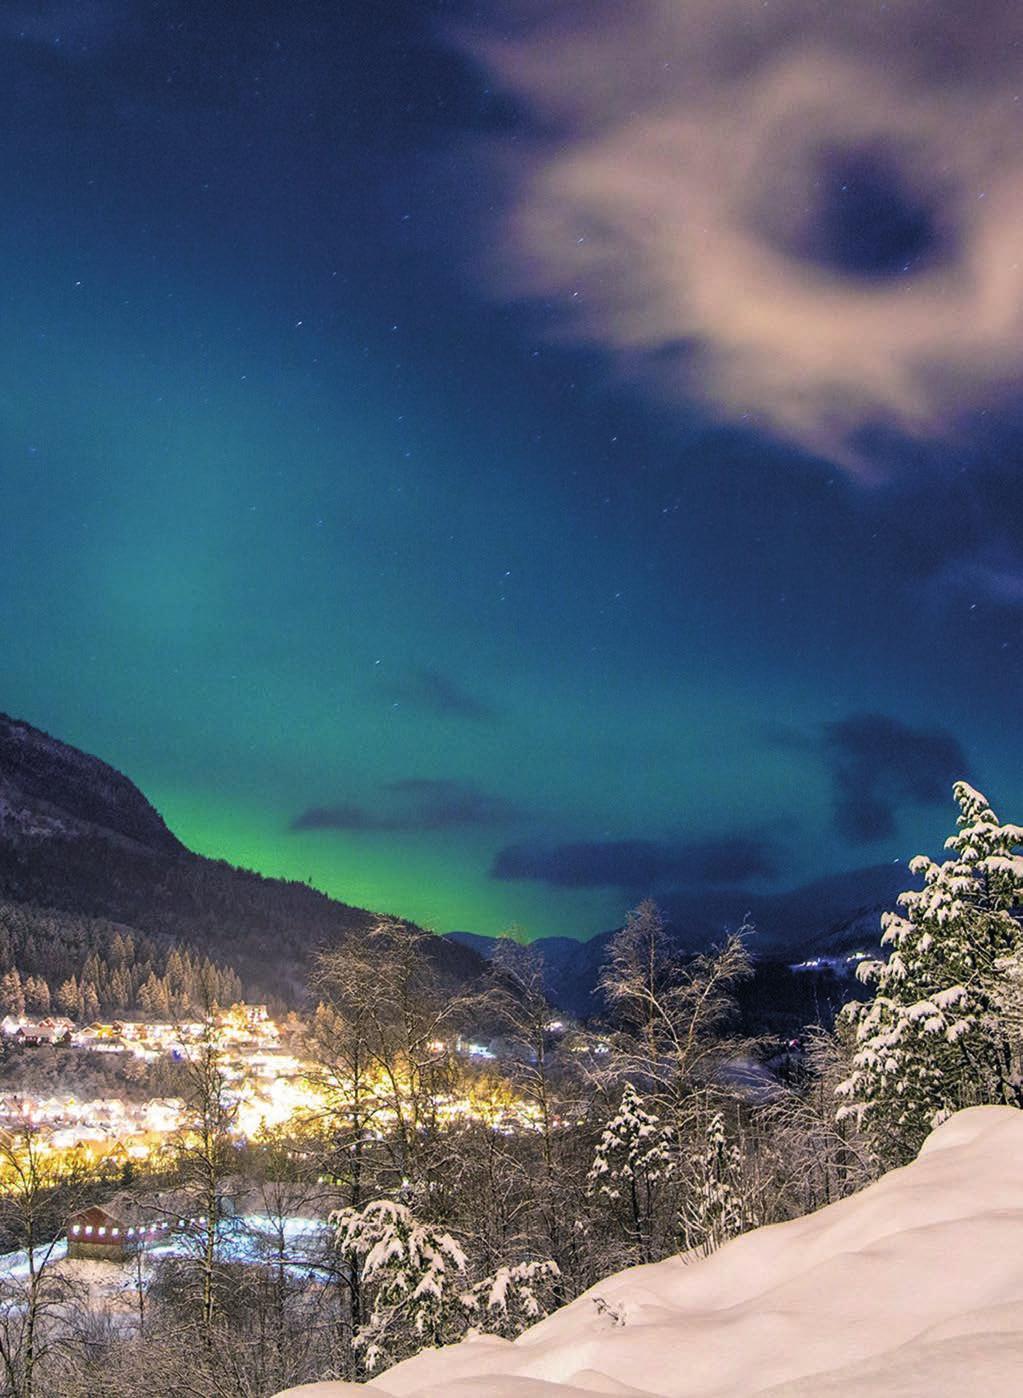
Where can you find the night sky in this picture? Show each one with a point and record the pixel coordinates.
(499, 461)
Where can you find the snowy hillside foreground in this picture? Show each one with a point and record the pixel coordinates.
(912, 1287)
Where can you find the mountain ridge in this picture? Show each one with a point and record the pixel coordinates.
(832, 916)
(78, 837)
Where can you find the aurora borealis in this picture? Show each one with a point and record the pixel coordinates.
(367, 572)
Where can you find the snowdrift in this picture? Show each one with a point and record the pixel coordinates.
(912, 1287)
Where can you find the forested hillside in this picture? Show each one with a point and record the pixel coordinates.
(83, 854)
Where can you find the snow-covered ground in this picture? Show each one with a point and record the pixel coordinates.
(913, 1287)
(14, 1265)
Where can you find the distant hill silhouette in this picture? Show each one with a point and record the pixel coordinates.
(830, 917)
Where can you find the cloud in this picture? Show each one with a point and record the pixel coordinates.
(879, 764)
(640, 865)
(444, 803)
(432, 692)
(809, 216)
(422, 804)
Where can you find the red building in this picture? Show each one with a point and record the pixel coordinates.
(118, 1229)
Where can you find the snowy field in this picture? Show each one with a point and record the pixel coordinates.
(913, 1287)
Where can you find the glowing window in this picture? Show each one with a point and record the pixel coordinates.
(101, 1231)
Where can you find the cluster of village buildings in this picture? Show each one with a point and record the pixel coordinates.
(27, 1029)
(100, 1127)
(264, 1081)
(266, 1084)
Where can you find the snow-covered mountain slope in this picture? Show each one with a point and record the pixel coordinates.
(912, 1287)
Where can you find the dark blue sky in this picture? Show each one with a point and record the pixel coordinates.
(333, 520)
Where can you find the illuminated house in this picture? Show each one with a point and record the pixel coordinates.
(53, 1029)
(117, 1230)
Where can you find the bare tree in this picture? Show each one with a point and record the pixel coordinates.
(38, 1188)
(204, 1160)
(675, 1012)
(382, 1042)
(551, 1094)
(823, 1156)
(292, 1304)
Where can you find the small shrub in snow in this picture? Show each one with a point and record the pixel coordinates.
(712, 1209)
(416, 1276)
(513, 1298)
(615, 1314)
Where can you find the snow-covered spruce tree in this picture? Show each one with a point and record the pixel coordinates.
(632, 1161)
(712, 1208)
(934, 1037)
(514, 1298)
(1005, 986)
(416, 1274)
